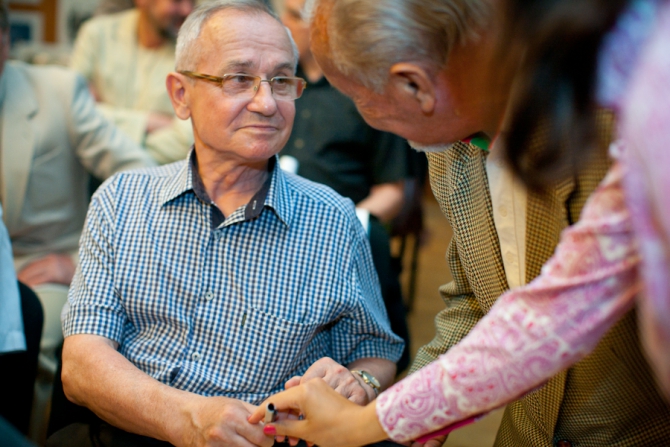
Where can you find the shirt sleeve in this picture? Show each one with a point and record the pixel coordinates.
(93, 303)
(364, 331)
(532, 332)
(171, 143)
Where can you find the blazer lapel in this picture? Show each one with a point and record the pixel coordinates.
(460, 183)
(19, 107)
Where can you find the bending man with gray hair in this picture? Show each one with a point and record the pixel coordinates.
(207, 284)
(431, 71)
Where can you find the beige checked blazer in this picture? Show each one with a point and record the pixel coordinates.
(607, 399)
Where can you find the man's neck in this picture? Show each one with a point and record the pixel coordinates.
(230, 183)
(148, 36)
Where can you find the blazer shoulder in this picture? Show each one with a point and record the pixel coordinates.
(48, 75)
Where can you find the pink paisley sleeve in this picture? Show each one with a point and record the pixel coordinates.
(645, 126)
(531, 333)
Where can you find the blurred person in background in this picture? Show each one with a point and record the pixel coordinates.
(113, 6)
(125, 57)
(331, 144)
(52, 137)
(580, 304)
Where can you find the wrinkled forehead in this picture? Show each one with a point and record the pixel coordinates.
(247, 40)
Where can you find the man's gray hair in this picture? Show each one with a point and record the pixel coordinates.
(188, 52)
(367, 37)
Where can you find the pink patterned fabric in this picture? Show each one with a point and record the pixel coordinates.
(619, 52)
(645, 124)
(620, 247)
(533, 332)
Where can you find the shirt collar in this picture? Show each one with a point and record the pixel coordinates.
(274, 193)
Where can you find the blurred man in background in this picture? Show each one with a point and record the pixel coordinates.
(125, 58)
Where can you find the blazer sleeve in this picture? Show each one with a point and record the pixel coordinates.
(461, 313)
(100, 146)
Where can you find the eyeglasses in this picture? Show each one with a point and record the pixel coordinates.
(242, 85)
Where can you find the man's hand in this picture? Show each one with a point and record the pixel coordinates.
(221, 421)
(54, 268)
(157, 121)
(338, 378)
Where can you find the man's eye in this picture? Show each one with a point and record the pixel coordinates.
(241, 80)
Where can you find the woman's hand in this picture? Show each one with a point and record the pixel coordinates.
(329, 419)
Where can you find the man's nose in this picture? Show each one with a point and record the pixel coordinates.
(263, 102)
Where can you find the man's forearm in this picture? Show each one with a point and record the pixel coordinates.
(95, 375)
(384, 201)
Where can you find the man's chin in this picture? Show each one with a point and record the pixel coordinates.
(429, 147)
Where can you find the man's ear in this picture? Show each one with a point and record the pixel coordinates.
(178, 91)
(413, 81)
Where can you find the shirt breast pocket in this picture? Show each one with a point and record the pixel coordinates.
(274, 348)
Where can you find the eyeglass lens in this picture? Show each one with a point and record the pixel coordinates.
(282, 87)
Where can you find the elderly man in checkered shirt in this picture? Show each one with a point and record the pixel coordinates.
(205, 285)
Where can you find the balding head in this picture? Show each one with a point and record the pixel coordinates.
(188, 53)
(422, 69)
(366, 37)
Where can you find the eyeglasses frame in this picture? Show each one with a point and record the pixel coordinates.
(219, 80)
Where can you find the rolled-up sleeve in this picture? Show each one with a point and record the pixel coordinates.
(364, 331)
(94, 306)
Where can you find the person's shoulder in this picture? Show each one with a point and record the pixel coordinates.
(141, 179)
(313, 194)
(157, 173)
(54, 78)
(46, 71)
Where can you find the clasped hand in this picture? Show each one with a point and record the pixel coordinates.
(219, 421)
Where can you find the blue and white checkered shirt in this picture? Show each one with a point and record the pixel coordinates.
(233, 309)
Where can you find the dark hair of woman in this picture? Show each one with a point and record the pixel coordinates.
(555, 103)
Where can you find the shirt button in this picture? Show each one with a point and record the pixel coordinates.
(299, 143)
(209, 296)
(195, 356)
(503, 211)
(564, 443)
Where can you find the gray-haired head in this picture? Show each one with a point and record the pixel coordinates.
(367, 37)
(188, 52)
